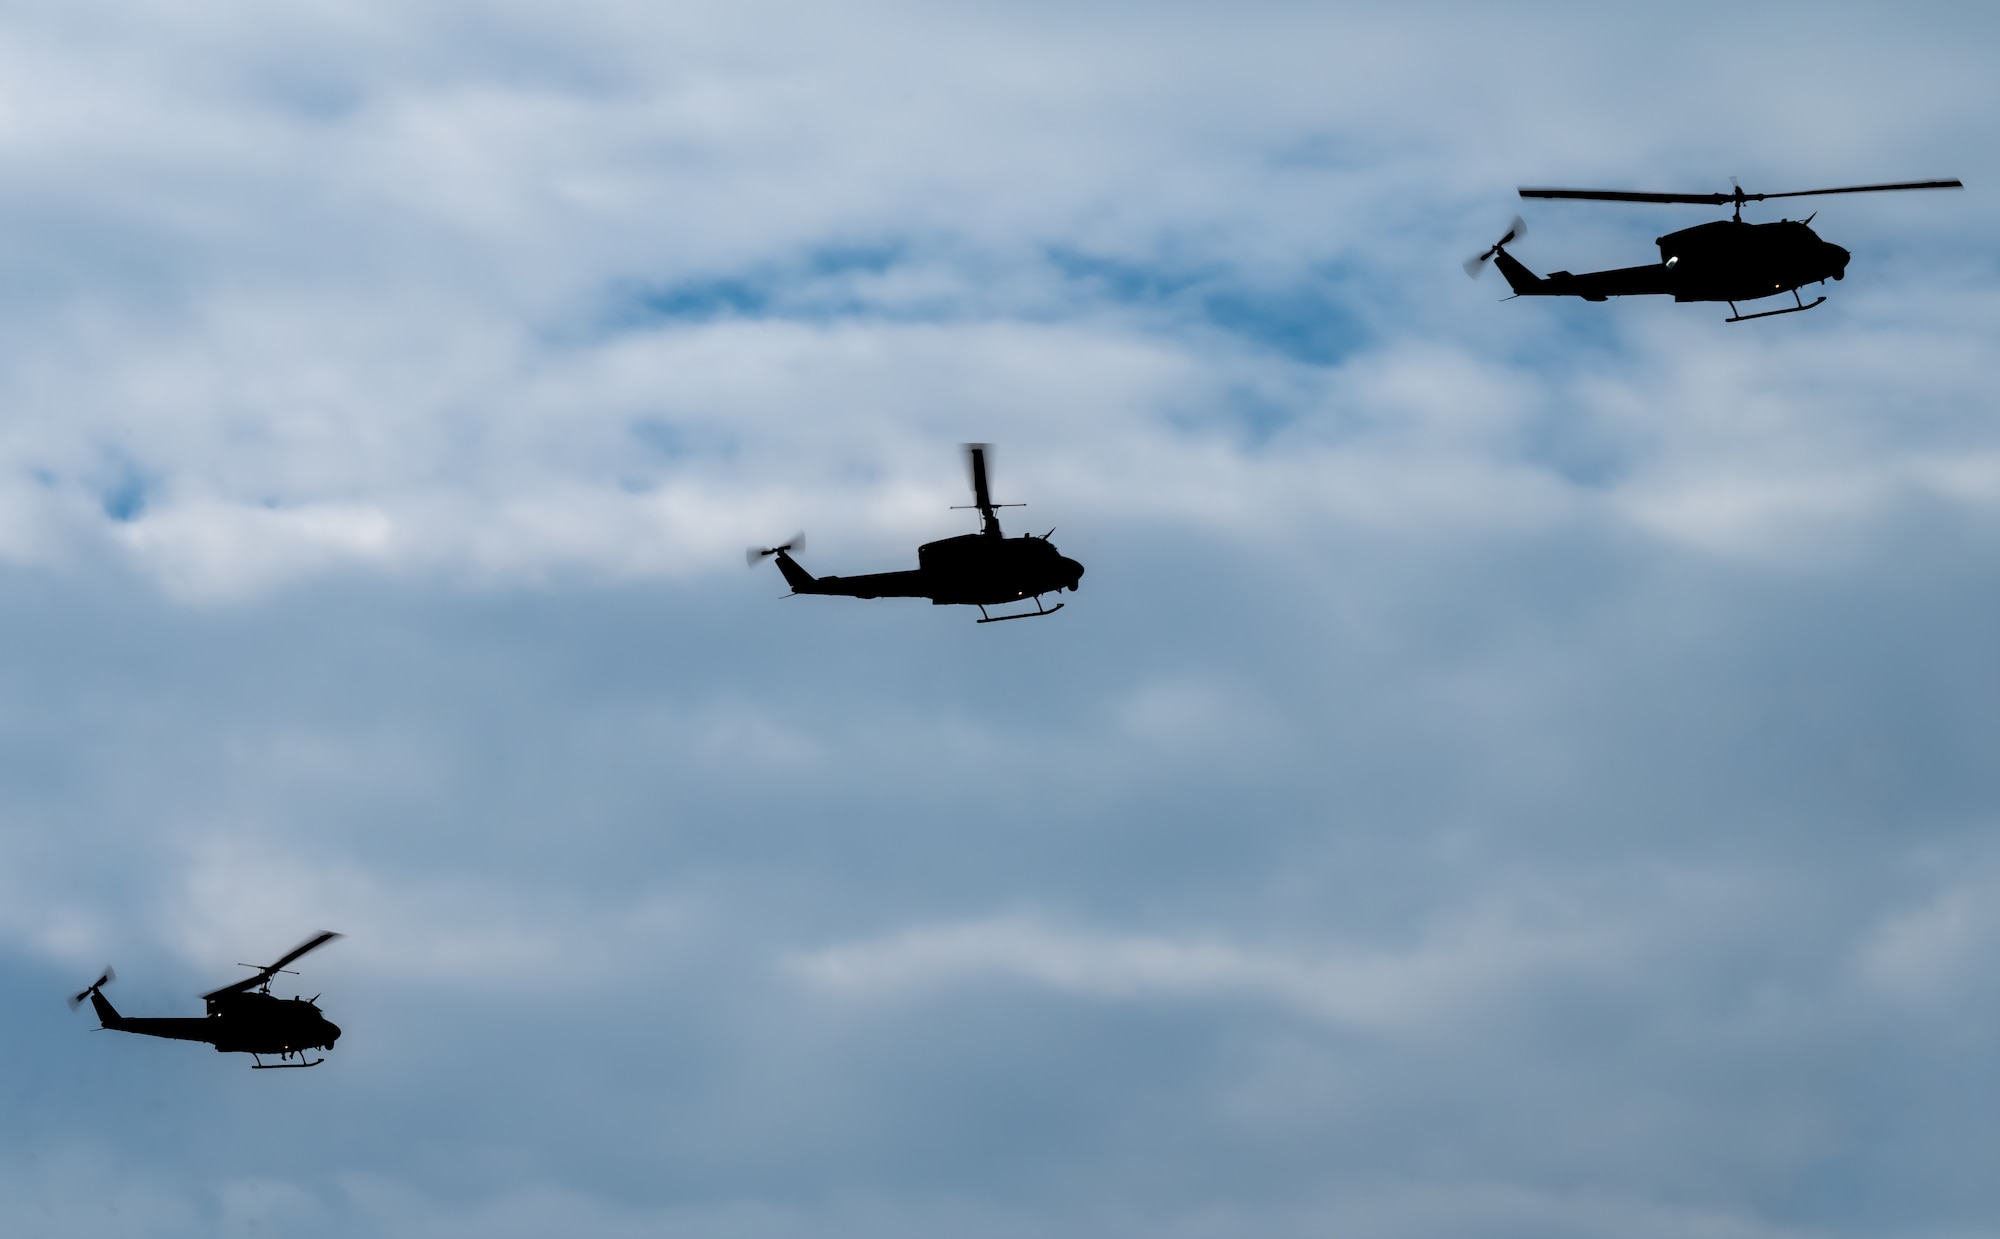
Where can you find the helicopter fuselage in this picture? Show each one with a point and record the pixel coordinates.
(1729, 260)
(974, 569)
(238, 1024)
(1723, 260)
(243, 1017)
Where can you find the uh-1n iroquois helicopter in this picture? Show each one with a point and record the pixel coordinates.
(244, 1018)
(1723, 260)
(976, 569)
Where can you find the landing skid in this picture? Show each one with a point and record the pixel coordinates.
(1793, 309)
(1039, 610)
(261, 1065)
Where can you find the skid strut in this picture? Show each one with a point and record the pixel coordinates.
(1790, 309)
(1039, 610)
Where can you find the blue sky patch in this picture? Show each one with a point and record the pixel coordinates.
(1300, 320)
(816, 286)
(124, 498)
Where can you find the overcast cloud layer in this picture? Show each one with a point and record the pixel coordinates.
(1511, 769)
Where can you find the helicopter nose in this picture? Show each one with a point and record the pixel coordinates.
(1075, 574)
(1840, 257)
(332, 1033)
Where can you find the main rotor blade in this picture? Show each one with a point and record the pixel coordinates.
(1863, 189)
(1628, 195)
(313, 943)
(981, 497)
(271, 970)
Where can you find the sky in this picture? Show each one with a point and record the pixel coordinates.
(1513, 768)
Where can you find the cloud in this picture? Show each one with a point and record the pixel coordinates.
(1931, 954)
(206, 550)
(1367, 990)
(1512, 767)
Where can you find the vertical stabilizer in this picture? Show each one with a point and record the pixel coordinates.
(1519, 278)
(798, 578)
(107, 1015)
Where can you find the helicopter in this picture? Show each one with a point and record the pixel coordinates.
(1723, 260)
(976, 569)
(243, 1018)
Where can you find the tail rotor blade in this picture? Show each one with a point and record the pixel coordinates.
(110, 975)
(1476, 265)
(797, 542)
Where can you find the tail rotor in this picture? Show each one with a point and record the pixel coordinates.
(751, 555)
(1476, 265)
(110, 975)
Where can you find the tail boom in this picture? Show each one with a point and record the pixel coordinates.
(188, 1028)
(1651, 279)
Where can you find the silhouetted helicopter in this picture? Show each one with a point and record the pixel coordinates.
(976, 569)
(243, 1018)
(1724, 260)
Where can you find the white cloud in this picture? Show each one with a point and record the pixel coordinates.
(384, 309)
(1935, 954)
(207, 550)
(389, 391)
(1367, 989)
